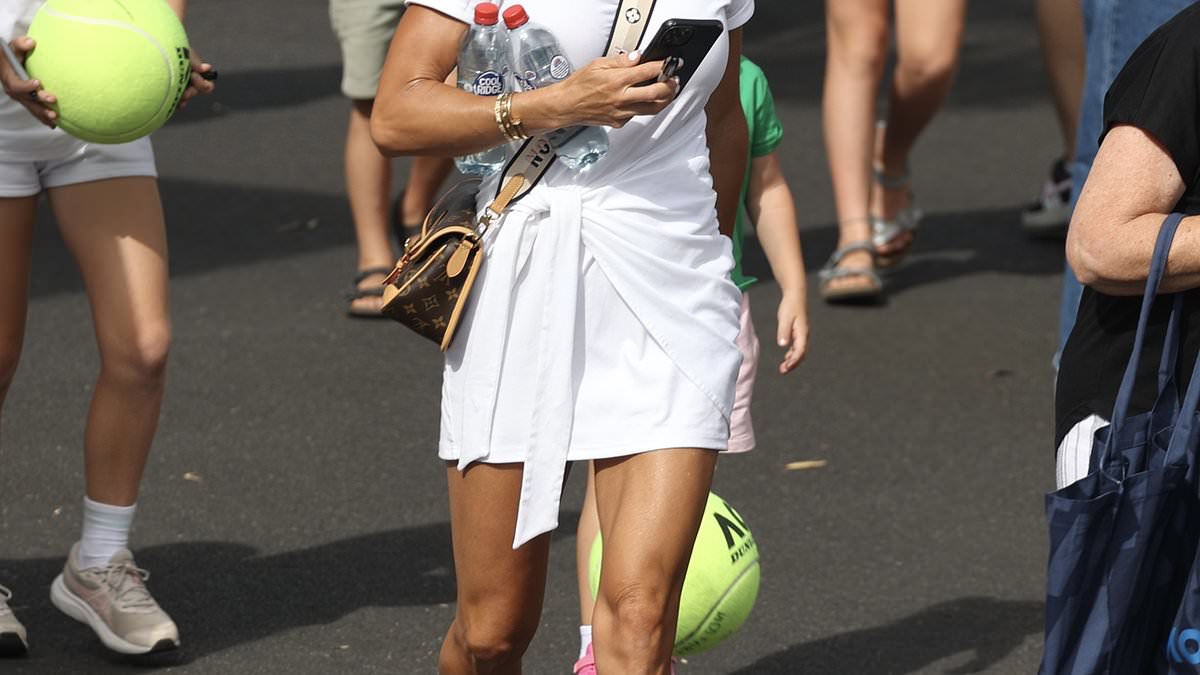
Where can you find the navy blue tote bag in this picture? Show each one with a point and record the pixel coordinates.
(1181, 648)
(1123, 538)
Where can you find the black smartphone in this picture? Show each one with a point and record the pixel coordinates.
(682, 45)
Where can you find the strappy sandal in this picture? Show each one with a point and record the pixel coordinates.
(886, 231)
(357, 292)
(866, 293)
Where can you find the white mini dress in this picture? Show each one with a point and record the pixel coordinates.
(604, 321)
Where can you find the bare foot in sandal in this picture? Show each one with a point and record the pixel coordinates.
(894, 213)
(849, 276)
(365, 297)
(894, 218)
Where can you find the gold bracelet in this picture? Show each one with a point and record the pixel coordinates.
(509, 126)
(515, 123)
(498, 111)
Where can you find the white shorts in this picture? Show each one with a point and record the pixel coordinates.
(91, 162)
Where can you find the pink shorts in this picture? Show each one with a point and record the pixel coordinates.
(741, 427)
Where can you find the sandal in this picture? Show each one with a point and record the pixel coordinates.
(357, 292)
(886, 231)
(866, 293)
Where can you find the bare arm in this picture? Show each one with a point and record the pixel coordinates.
(728, 140)
(416, 113)
(773, 212)
(1133, 185)
(772, 209)
(179, 7)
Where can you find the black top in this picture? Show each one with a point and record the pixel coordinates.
(1157, 91)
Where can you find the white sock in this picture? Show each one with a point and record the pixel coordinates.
(585, 640)
(105, 531)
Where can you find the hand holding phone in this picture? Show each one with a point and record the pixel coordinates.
(682, 45)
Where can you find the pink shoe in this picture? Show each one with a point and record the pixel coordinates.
(586, 665)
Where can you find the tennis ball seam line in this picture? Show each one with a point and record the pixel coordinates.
(162, 52)
(724, 594)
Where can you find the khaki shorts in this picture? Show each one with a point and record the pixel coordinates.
(364, 28)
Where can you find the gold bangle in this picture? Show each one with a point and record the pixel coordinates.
(510, 127)
(514, 123)
(498, 111)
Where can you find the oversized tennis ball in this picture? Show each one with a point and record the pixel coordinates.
(118, 67)
(722, 579)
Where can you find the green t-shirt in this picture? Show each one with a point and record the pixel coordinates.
(766, 132)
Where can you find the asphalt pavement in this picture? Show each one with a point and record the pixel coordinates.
(294, 512)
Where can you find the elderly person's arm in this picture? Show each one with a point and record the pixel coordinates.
(416, 113)
(1133, 185)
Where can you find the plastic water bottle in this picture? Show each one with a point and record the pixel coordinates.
(539, 61)
(483, 70)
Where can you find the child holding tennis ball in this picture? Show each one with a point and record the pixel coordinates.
(766, 201)
(105, 199)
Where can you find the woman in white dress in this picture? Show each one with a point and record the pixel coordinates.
(602, 326)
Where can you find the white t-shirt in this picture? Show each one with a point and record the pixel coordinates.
(23, 138)
(582, 29)
(646, 213)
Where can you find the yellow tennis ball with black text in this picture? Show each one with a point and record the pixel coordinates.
(722, 579)
(117, 67)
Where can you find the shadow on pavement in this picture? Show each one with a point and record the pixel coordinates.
(245, 91)
(251, 225)
(948, 246)
(258, 224)
(224, 594)
(987, 627)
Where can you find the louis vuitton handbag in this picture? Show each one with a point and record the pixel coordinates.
(429, 287)
(431, 284)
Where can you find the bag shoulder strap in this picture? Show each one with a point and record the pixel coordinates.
(629, 25)
(1158, 266)
(535, 156)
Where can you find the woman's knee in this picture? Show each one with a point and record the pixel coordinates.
(492, 638)
(140, 358)
(933, 67)
(859, 44)
(637, 609)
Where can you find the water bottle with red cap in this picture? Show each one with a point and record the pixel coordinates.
(539, 61)
(483, 70)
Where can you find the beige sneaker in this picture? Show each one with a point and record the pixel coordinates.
(115, 602)
(12, 634)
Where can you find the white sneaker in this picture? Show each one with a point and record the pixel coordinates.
(13, 640)
(1050, 215)
(115, 602)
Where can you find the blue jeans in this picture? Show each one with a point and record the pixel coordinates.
(1113, 29)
